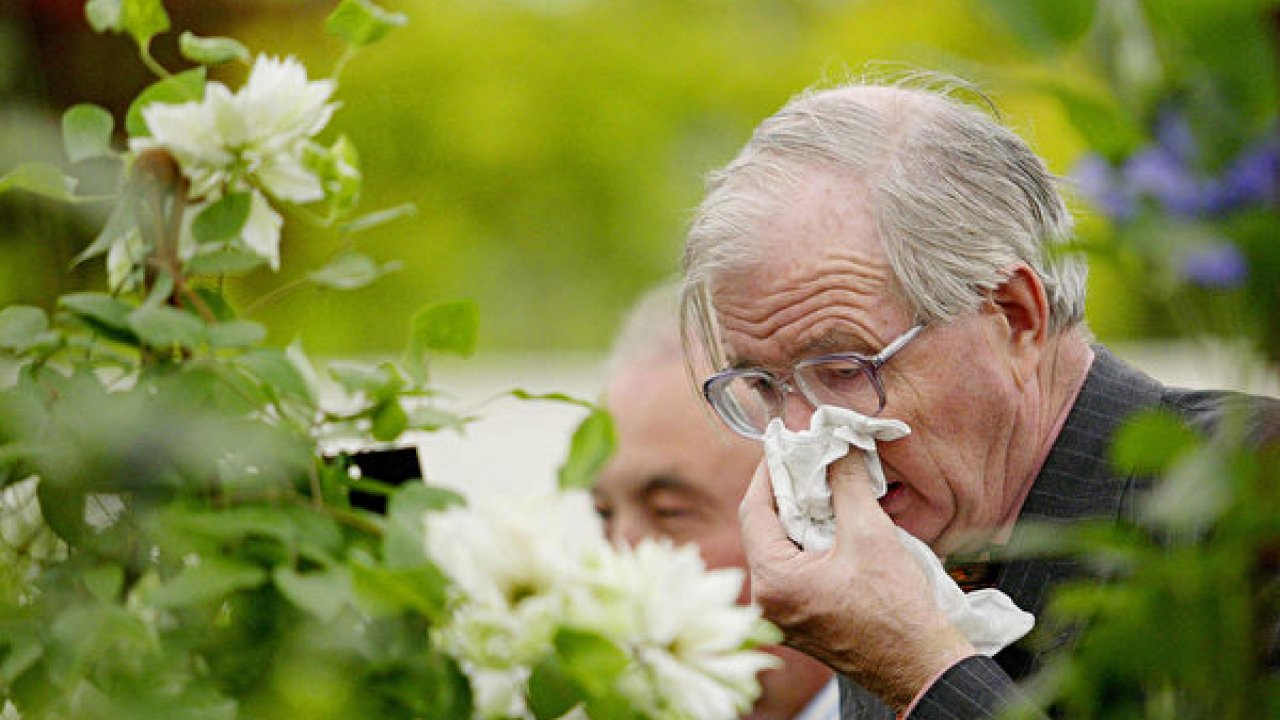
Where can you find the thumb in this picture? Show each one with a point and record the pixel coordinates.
(762, 533)
(856, 507)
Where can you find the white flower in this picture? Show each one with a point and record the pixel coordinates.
(250, 140)
(524, 568)
(512, 560)
(499, 693)
(683, 626)
(503, 549)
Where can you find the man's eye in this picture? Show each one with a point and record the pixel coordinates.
(756, 385)
(836, 374)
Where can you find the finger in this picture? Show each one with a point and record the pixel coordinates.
(856, 507)
(762, 533)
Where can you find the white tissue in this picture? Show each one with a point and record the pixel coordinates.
(798, 464)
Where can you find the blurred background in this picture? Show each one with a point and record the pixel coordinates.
(554, 149)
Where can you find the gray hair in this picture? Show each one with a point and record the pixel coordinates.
(956, 198)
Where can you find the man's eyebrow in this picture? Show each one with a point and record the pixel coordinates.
(832, 341)
(668, 482)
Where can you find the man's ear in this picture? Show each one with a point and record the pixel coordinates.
(1022, 303)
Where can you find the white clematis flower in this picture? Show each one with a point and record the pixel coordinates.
(251, 140)
(523, 568)
(512, 561)
(683, 626)
(503, 550)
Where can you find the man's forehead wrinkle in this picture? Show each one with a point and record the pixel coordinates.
(785, 309)
(844, 289)
(834, 319)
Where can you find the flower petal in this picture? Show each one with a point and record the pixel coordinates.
(285, 177)
(261, 233)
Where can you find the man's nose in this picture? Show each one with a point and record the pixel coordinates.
(796, 410)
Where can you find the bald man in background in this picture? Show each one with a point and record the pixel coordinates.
(678, 473)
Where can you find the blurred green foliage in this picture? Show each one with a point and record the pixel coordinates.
(183, 533)
(1178, 104)
(555, 149)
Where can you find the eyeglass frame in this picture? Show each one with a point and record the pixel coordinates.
(870, 365)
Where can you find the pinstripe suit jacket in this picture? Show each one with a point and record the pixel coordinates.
(1077, 482)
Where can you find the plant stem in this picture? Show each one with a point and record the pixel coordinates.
(144, 52)
(317, 500)
(341, 64)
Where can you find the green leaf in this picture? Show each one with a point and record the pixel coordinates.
(343, 180)
(236, 334)
(1193, 494)
(227, 261)
(431, 418)
(211, 50)
(380, 384)
(1045, 26)
(552, 693)
(63, 510)
(215, 301)
(1150, 442)
(382, 591)
(449, 327)
(104, 582)
(222, 220)
(388, 420)
(380, 217)
(323, 594)
(103, 15)
(593, 443)
(143, 19)
(25, 646)
(349, 271)
(591, 660)
(40, 179)
(163, 327)
(120, 223)
(86, 131)
(559, 397)
(406, 508)
(181, 527)
(273, 368)
(361, 22)
(103, 314)
(176, 89)
(212, 579)
(21, 325)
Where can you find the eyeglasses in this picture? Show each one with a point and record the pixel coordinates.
(747, 399)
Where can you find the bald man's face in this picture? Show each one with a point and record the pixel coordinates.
(678, 473)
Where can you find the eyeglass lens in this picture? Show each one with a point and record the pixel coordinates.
(750, 400)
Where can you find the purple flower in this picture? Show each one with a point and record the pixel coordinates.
(1253, 178)
(1173, 134)
(1219, 265)
(1099, 183)
(1161, 174)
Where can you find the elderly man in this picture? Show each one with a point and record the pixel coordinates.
(678, 474)
(890, 250)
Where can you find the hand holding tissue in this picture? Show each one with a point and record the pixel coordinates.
(798, 464)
